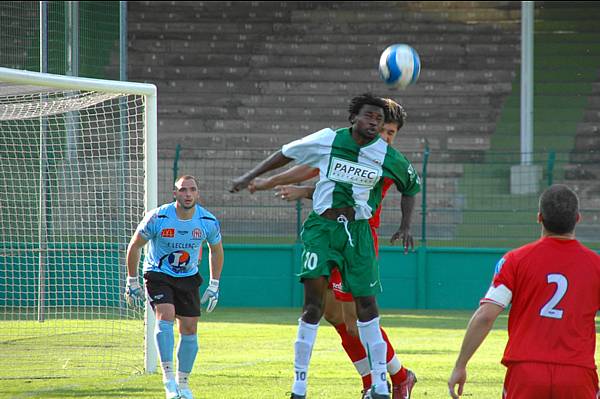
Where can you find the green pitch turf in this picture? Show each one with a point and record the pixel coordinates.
(248, 353)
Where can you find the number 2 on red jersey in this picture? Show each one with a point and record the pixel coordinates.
(549, 310)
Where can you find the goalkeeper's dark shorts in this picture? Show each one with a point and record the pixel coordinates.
(182, 292)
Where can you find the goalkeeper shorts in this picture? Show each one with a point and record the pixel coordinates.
(182, 292)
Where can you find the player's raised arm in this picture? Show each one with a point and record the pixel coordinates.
(274, 161)
(296, 174)
(293, 193)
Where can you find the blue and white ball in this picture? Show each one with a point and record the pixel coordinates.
(399, 66)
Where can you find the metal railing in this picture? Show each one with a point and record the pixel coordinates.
(487, 200)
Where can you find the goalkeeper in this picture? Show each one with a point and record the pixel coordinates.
(175, 233)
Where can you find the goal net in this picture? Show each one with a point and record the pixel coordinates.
(77, 171)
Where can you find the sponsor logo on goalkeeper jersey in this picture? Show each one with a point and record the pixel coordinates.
(178, 261)
(182, 245)
(344, 171)
(167, 233)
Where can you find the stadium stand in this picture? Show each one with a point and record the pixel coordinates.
(566, 100)
(239, 77)
(249, 75)
(242, 71)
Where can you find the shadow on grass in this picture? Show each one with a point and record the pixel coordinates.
(134, 386)
(66, 392)
(427, 319)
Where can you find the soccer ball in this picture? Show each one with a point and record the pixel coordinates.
(399, 66)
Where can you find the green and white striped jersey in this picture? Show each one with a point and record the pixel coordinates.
(352, 175)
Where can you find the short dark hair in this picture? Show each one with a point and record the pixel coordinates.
(396, 113)
(359, 101)
(559, 207)
(185, 177)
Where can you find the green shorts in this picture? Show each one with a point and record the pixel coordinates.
(327, 244)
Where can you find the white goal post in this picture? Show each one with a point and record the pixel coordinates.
(78, 168)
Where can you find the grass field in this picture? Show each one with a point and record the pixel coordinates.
(248, 353)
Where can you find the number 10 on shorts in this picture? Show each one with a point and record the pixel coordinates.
(310, 260)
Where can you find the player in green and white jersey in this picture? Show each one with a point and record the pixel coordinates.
(352, 163)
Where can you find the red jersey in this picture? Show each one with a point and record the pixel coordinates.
(555, 289)
(375, 220)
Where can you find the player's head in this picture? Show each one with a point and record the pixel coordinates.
(367, 114)
(559, 209)
(185, 191)
(394, 121)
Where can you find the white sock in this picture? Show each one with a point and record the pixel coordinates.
(394, 365)
(182, 379)
(371, 338)
(362, 366)
(307, 333)
(168, 371)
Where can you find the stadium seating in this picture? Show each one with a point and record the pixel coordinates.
(209, 58)
(259, 74)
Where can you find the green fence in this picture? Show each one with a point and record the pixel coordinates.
(97, 32)
(254, 275)
(470, 200)
(469, 215)
(433, 278)
(77, 275)
(474, 207)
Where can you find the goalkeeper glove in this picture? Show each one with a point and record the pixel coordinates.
(133, 290)
(211, 295)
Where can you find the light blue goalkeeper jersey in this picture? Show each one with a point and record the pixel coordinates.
(174, 245)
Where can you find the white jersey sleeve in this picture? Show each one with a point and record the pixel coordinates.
(499, 295)
(310, 149)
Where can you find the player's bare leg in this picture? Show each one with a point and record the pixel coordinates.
(332, 308)
(312, 311)
(350, 318)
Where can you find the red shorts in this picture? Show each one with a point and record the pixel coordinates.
(529, 380)
(375, 241)
(335, 279)
(335, 284)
